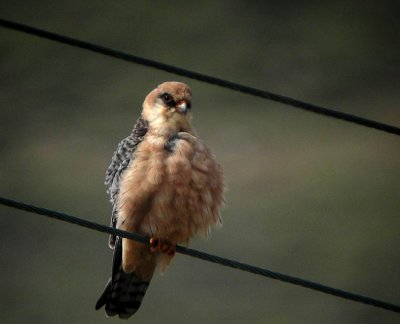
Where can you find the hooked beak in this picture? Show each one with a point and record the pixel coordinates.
(183, 106)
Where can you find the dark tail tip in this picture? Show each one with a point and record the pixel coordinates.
(123, 295)
(104, 296)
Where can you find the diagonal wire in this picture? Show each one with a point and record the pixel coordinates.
(200, 77)
(205, 256)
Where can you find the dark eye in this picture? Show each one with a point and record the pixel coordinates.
(167, 99)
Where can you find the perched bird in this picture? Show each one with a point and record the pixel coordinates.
(164, 183)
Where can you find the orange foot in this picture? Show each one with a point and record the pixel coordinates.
(160, 245)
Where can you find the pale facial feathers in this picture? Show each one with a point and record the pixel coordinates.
(167, 106)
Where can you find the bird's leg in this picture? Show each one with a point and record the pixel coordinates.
(160, 245)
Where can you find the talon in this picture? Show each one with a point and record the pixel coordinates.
(172, 250)
(168, 248)
(164, 246)
(155, 245)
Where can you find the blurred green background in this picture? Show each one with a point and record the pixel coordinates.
(308, 195)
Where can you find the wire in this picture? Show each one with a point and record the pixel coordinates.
(205, 256)
(200, 77)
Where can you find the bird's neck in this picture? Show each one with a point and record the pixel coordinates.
(170, 128)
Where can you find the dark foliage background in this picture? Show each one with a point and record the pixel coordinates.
(308, 195)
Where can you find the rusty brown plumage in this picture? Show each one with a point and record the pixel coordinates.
(170, 188)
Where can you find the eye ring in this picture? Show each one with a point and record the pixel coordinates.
(167, 99)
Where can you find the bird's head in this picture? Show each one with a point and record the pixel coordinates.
(168, 106)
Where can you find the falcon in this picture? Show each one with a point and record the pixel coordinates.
(164, 183)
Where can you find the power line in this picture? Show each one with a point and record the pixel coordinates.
(205, 256)
(200, 77)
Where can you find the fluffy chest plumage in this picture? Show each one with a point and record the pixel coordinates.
(172, 189)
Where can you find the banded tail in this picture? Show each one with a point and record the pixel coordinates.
(124, 292)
